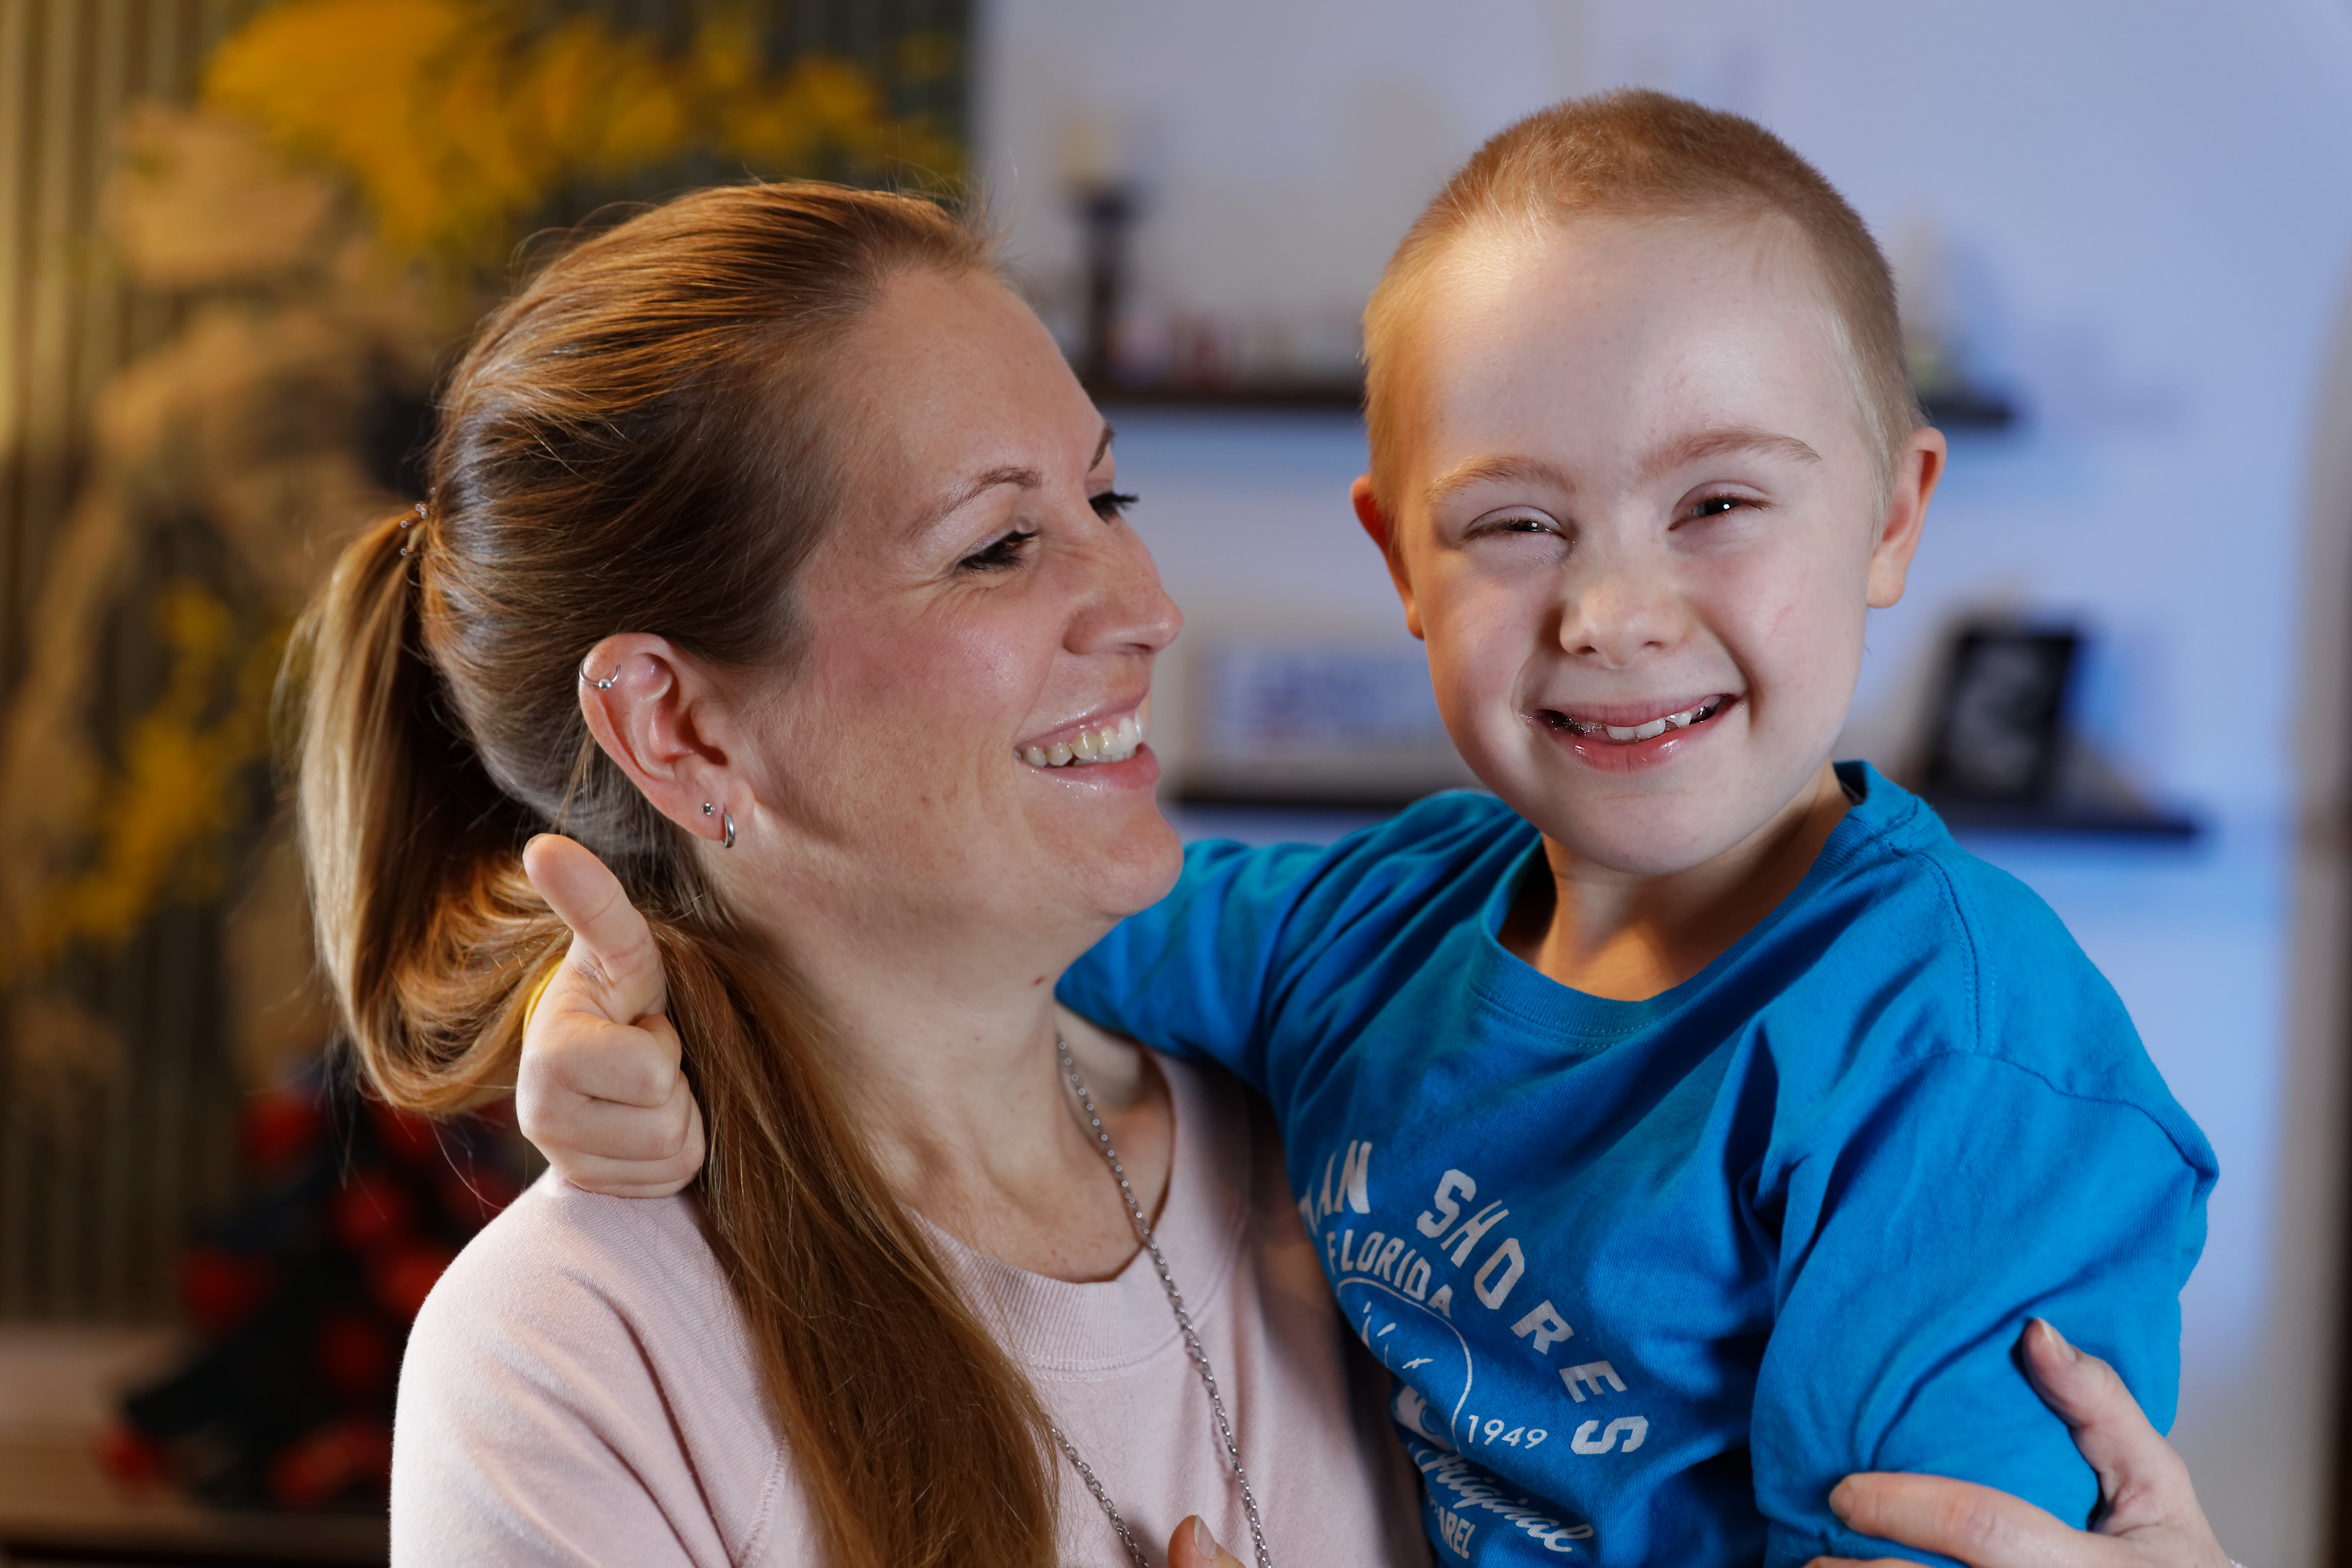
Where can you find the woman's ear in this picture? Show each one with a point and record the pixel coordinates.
(655, 711)
(1381, 529)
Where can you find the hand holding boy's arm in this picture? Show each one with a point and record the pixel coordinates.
(1942, 1183)
(2149, 1513)
(599, 1090)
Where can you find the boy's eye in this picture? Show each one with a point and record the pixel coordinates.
(1512, 525)
(1717, 505)
(1110, 504)
(1000, 554)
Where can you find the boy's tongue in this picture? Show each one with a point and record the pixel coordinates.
(1629, 724)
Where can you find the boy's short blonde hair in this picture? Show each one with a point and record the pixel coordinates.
(1635, 153)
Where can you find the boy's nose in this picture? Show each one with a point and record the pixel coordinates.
(1617, 617)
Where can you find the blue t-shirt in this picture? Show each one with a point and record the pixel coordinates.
(1652, 1276)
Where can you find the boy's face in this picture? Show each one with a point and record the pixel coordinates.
(1638, 521)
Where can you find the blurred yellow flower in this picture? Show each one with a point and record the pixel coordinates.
(454, 123)
(180, 766)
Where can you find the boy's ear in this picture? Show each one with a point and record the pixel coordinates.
(1917, 471)
(654, 711)
(1383, 534)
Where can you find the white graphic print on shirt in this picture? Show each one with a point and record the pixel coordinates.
(1399, 1291)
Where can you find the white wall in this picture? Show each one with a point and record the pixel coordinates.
(2145, 217)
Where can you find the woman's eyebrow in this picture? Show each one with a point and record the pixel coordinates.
(931, 517)
(1022, 478)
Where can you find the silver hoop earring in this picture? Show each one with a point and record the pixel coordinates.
(606, 685)
(727, 819)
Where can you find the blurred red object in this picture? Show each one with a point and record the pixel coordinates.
(316, 1469)
(280, 1124)
(129, 1455)
(355, 1354)
(410, 1139)
(370, 1210)
(220, 1288)
(477, 1194)
(403, 1280)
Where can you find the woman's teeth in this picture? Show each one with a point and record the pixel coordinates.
(1113, 744)
(1650, 731)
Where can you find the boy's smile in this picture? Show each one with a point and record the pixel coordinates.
(1639, 520)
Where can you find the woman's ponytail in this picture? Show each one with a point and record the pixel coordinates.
(411, 853)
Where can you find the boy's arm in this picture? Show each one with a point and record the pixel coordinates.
(1191, 974)
(2148, 1516)
(1916, 1242)
(598, 1088)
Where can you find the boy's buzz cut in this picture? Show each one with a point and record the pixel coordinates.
(1635, 153)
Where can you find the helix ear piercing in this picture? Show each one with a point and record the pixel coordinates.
(606, 685)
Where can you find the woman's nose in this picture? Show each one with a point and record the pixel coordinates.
(1129, 608)
(1619, 611)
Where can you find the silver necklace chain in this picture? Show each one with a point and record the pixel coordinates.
(1184, 1325)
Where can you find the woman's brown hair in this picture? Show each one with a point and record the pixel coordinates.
(639, 442)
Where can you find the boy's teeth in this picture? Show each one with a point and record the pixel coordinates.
(1650, 731)
(1113, 743)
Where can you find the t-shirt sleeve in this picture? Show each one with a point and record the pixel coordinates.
(496, 1460)
(1191, 974)
(1964, 1197)
(534, 1425)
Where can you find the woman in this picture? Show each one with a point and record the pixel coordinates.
(774, 556)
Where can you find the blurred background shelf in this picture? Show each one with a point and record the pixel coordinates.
(59, 1385)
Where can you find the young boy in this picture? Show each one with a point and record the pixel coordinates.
(1694, 1124)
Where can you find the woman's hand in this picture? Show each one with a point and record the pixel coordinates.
(1193, 1547)
(2148, 1512)
(599, 1090)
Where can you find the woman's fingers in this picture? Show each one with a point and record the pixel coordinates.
(1193, 1547)
(2145, 1490)
(2149, 1517)
(2141, 1480)
(1982, 1527)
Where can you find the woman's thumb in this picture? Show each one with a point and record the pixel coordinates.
(1193, 1547)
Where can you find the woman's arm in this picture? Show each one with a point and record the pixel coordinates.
(2148, 1512)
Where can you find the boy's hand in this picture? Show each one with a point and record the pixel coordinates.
(599, 1089)
(1193, 1547)
(2148, 1512)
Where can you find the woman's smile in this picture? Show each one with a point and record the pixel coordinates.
(1114, 736)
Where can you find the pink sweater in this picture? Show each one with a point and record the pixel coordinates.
(579, 1388)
